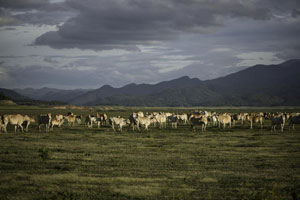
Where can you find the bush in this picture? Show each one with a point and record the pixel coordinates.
(44, 153)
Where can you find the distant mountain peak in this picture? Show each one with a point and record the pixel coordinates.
(183, 78)
(106, 87)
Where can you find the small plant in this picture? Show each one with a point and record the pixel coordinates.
(44, 153)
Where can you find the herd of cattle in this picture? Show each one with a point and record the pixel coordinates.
(137, 120)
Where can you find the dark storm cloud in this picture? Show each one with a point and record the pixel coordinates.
(38, 12)
(23, 4)
(167, 39)
(296, 13)
(287, 5)
(118, 24)
(41, 17)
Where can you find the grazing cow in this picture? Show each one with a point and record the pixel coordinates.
(173, 120)
(44, 119)
(56, 122)
(161, 119)
(198, 121)
(118, 122)
(183, 118)
(89, 120)
(145, 121)
(255, 118)
(294, 120)
(16, 120)
(70, 119)
(224, 119)
(277, 120)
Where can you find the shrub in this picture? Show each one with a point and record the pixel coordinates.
(44, 153)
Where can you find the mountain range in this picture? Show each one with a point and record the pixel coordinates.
(260, 85)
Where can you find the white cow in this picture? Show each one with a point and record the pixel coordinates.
(183, 117)
(57, 123)
(145, 121)
(118, 122)
(16, 120)
(224, 119)
(162, 120)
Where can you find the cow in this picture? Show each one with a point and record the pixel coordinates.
(198, 121)
(294, 119)
(70, 119)
(56, 122)
(89, 120)
(145, 121)
(118, 122)
(44, 119)
(162, 120)
(183, 118)
(224, 119)
(255, 118)
(173, 119)
(16, 120)
(278, 119)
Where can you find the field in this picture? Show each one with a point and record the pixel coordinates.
(81, 163)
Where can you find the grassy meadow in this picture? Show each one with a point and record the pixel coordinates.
(81, 163)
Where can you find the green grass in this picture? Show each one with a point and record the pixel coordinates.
(80, 163)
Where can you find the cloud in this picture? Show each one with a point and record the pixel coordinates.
(6, 18)
(23, 4)
(117, 42)
(252, 58)
(108, 24)
(38, 12)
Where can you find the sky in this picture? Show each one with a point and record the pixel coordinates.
(72, 44)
